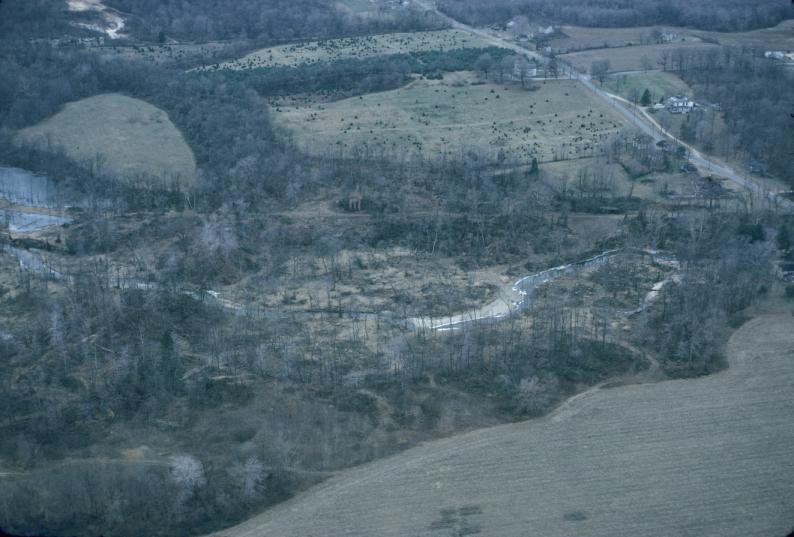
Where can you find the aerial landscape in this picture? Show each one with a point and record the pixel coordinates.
(438, 268)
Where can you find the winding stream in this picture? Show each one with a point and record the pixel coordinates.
(24, 190)
(521, 293)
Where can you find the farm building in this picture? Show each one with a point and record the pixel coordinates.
(775, 55)
(529, 72)
(680, 104)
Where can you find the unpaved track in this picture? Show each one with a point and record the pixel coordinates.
(690, 458)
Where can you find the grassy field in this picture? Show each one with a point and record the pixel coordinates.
(705, 457)
(780, 37)
(559, 119)
(353, 48)
(629, 58)
(358, 7)
(580, 38)
(125, 137)
(660, 84)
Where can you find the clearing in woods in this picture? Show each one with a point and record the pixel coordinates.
(631, 58)
(559, 120)
(583, 38)
(354, 48)
(780, 37)
(358, 7)
(702, 457)
(118, 135)
(659, 84)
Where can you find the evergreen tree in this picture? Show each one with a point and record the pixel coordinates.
(645, 100)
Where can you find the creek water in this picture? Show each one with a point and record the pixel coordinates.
(22, 188)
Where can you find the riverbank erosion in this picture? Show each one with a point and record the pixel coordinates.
(704, 457)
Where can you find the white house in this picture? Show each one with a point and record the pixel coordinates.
(529, 72)
(775, 55)
(680, 104)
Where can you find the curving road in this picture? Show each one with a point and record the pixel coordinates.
(637, 117)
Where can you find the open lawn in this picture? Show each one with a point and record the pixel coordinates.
(354, 48)
(630, 58)
(358, 7)
(659, 84)
(581, 38)
(780, 37)
(559, 120)
(702, 457)
(118, 135)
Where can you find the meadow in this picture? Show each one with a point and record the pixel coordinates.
(660, 85)
(583, 38)
(118, 135)
(630, 58)
(780, 37)
(353, 48)
(556, 120)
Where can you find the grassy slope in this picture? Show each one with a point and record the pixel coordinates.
(629, 58)
(355, 48)
(702, 457)
(660, 84)
(780, 37)
(430, 117)
(131, 137)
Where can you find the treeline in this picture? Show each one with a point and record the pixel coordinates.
(726, 262)
(359, 76)
(273, 21)
(731, 15)
(755, 98)
(39, 19)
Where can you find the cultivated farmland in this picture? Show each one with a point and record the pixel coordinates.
(120, 136)
(705, 457)
(558, 120)
(354, 48)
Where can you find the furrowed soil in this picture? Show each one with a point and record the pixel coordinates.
(704, 457)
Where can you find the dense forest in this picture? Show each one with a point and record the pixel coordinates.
(277, 21)
(732, 15)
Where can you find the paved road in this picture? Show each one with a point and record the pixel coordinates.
(636, 117)
(642, 120)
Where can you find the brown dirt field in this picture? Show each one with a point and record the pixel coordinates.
(704, 457)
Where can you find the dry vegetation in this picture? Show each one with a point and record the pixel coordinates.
(630, 58)
(354, 48)
(682, 455)
(558, 119)
(780, 37)
(115, 134)
(583, 38)
(660, 85)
